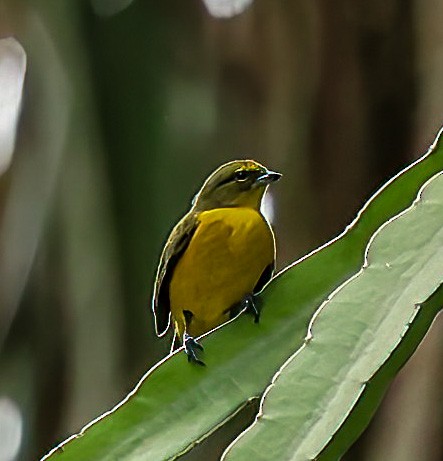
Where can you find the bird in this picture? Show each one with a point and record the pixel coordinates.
(217, 258)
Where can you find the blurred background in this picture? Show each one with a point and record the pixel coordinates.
(127, 107)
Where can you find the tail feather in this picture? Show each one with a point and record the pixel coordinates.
(176, 343)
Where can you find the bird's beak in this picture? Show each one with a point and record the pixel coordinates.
(268, 177)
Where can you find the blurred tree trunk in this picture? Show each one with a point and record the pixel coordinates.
(267, 70)
(363, 128)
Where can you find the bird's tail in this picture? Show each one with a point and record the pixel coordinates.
(176, 343)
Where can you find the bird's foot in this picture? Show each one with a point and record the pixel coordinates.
(191, 348)
(251, 305)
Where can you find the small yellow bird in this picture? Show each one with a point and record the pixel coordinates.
(220, 254)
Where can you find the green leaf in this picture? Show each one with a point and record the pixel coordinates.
(352, 336)
(177, 405)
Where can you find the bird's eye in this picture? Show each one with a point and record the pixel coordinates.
(241, 175)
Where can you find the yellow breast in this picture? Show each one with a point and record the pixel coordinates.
(222, 263)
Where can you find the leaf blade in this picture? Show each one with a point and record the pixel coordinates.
(353, 335)
(176, 405)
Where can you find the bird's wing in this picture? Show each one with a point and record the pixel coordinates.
(175, 246)
(268, 271)
(265, 277)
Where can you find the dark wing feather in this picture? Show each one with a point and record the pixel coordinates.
(175, 246)
(265, 277)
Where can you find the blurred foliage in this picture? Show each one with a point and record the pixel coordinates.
(124, 116)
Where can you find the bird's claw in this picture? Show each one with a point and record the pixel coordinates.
(251, 307)
(191, 347)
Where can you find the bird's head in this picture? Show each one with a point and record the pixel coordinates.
(241, 183)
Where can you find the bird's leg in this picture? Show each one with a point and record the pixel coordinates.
(251, 305)
(191, 347)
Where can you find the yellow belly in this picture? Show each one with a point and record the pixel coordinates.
(222, 263)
